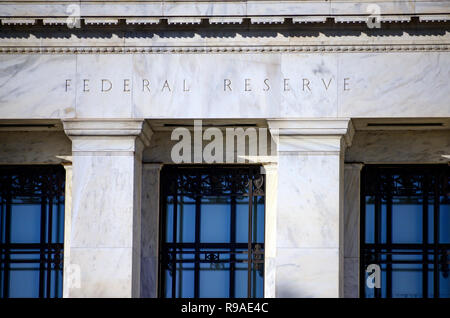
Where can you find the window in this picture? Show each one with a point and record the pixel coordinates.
(405, 229)
(31, 231)
(212, 227)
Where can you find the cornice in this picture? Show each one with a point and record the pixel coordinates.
(225, 49)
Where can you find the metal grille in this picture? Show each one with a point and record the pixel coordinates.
(196, 184)
(384, 188)
(36, 193)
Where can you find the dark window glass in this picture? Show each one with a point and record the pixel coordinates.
(31, 231)
(405, 230)
(206, 240)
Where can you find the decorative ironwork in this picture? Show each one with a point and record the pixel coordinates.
(224, 181)
(42, 186)
(383, 187)
(212, 257)
(258, 259)
(395, 181)
(214, 260)
(197, 183)
(258, 183)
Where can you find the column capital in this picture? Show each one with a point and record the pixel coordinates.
(108, 127)
(313, 127)
(322, 131)
(152, 165)
(270, 167)
(353, 166)
(108, 137)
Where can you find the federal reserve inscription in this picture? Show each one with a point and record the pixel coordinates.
(307, 85)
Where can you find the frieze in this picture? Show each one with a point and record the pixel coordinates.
(127, 85)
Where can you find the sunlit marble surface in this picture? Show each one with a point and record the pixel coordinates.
(105, 240)
(310, 195)
(222, 8)
(312, 85)
(30, 86)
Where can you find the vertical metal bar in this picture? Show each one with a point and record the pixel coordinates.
(249, 244)
(7, 258)
(59, 239)
(254, 236)
(425, 187)
(42, 248)
(232, 249)
(377, 217)
(49, 249)
(2, 241)
(389, 237)
(197, 246)
(436, 234)
(362, 252)
(2, 214)
(174, 240)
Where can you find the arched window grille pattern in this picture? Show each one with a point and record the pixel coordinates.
(31, 231)
(212, 231)
(405, 229)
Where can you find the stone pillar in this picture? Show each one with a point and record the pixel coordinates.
(150, 229)
(105, 236)
(309, 261)
(70, 274)
(352, 187)
(270, 245)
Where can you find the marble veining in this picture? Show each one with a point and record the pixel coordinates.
(225, 86)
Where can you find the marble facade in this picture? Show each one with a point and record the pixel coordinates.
(333, 95)
(322, 85)
(282, 249)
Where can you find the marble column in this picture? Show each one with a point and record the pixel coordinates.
(270, 245)
(71, 274)
(105, 221)
(309, 260)
(352, 186)
(150, 229)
